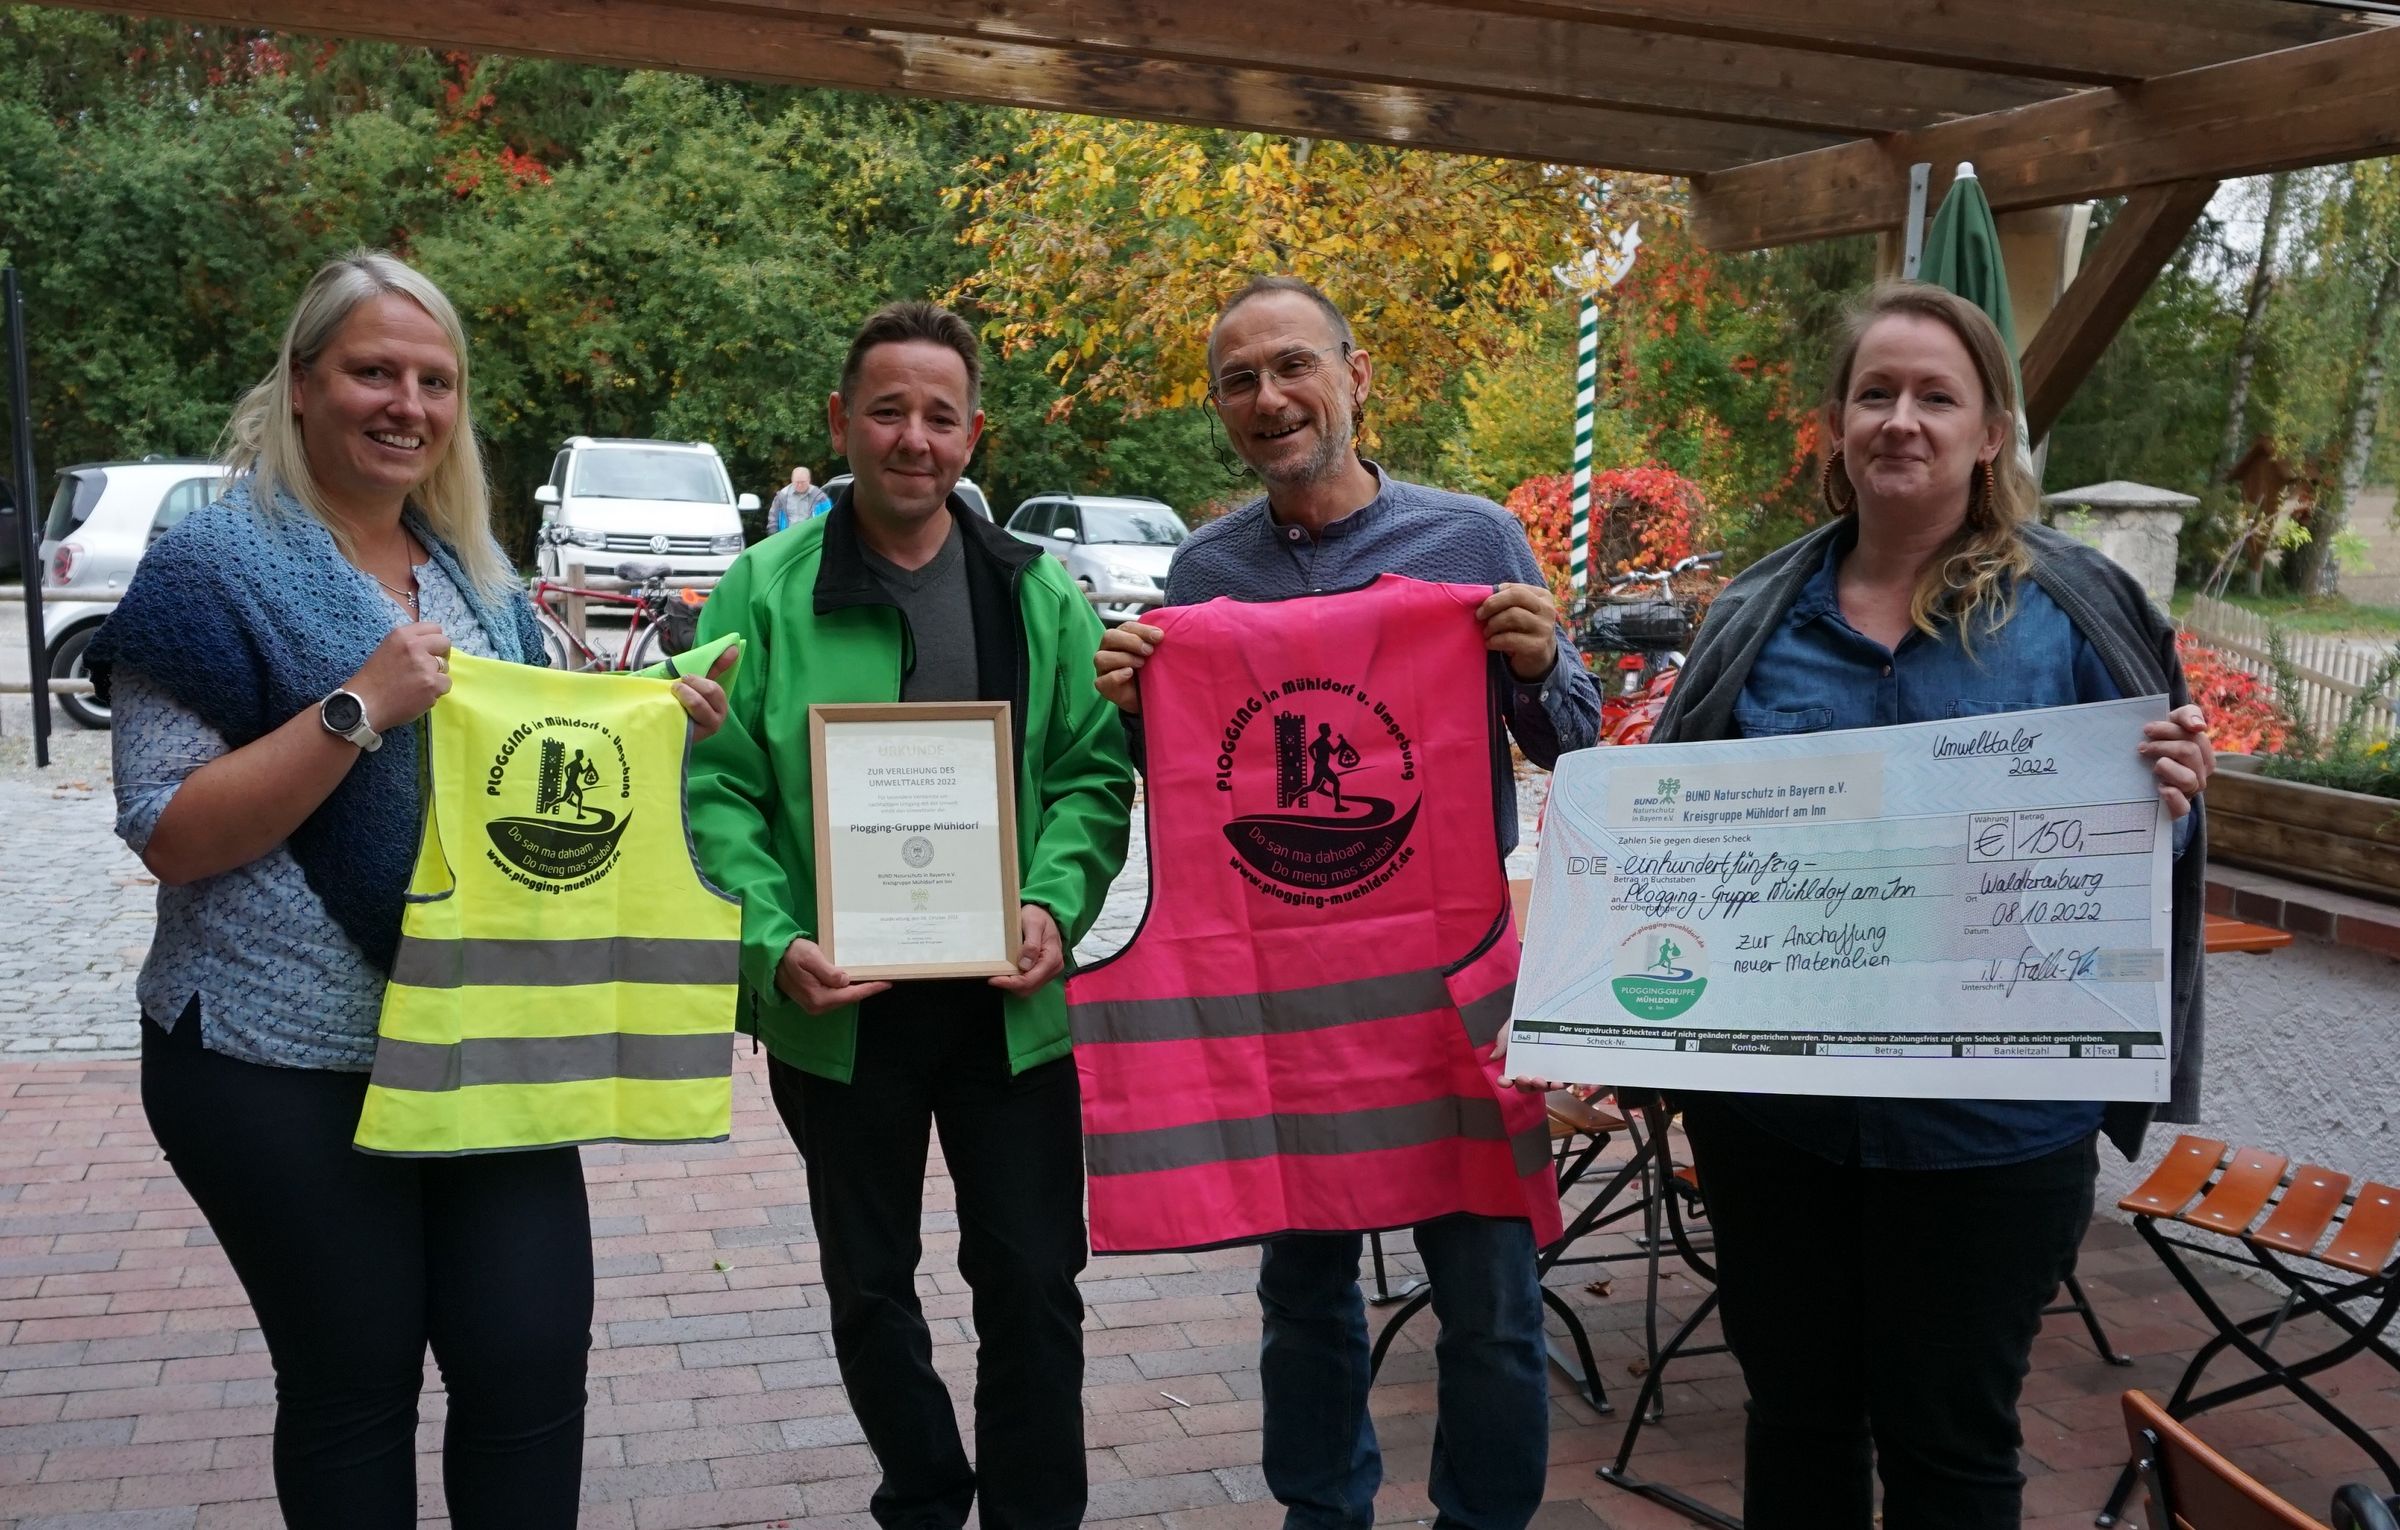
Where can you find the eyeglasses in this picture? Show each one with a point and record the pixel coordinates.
(1289, 369)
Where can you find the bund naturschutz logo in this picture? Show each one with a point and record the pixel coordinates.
(571, 778)
(1330, 778)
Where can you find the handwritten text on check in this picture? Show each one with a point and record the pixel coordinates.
(1972, 908)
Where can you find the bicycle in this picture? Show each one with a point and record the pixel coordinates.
(664, 620)
(1641, 618)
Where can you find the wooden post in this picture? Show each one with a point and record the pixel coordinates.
(2088, 314)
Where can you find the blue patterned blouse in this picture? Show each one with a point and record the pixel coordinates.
(277, 980)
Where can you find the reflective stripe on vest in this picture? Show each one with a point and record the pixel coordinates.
(565, 974)
(1296, 1039)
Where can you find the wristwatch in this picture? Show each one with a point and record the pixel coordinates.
(345, 716)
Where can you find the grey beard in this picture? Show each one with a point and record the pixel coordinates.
(1329, 460)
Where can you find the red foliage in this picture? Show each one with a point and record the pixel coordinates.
(467, 171)
(1643, 517)
(2243, 717)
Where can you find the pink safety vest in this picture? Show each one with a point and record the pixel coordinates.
(1295, 1038)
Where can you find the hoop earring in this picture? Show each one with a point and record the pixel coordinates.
(1836, 469)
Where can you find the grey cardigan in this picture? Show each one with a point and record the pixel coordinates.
(2133, 638)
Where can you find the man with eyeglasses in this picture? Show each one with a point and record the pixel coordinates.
(1288, 379)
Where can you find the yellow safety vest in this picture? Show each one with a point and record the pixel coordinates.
(565, 973)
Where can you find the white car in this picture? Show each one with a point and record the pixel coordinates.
(1117, 547)
(103, 518)
(612, 500)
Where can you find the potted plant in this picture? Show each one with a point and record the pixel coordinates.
(2321, 808)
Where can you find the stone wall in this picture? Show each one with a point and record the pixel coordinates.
(2142, 542)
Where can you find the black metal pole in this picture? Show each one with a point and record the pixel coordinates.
(20, 393)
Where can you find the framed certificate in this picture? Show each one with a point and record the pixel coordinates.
(916, 838)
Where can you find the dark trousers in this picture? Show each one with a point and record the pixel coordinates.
(932, 1056)
(354, 1264)
(1884, 1319)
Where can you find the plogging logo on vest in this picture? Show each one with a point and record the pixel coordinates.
(1341, 774)
(561, 770)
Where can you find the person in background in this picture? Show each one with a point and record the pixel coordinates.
(265, 670)
(797, 501)
(1884, 1263)
(902, 593)
(1288, 381)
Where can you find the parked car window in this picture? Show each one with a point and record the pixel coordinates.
(181, 501)
(688, 476)
(1123, 523)
(1028, 518)
(77, 493)
(558, 470)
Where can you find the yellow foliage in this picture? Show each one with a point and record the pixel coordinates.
(1109, 246)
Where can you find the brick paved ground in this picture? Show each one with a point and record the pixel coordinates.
(134, 1391)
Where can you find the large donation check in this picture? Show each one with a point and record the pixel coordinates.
(1975, 908)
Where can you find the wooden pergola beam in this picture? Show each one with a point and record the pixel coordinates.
(1429, 44)
(2135, 247)
(788, 48)
(2315, 105)
(2091, 42)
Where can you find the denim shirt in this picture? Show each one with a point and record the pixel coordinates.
(1817, 673)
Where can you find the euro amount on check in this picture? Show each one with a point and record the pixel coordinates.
(1975, 908)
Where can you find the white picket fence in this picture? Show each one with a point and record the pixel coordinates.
(2332, 670)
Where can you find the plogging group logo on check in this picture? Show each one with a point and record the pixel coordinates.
(561, 770)
(1662, 970)
(1344, 791)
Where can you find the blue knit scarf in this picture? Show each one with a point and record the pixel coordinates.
(249, 617)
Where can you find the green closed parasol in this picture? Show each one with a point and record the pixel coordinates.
(1962, 254)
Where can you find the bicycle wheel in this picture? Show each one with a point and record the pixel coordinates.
(561, 649)
(647, 649)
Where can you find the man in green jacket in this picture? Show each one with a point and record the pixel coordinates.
(902, 593)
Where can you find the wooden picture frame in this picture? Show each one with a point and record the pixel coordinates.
(889, 864)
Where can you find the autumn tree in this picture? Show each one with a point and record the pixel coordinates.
(2358, 237)
(1108, 246)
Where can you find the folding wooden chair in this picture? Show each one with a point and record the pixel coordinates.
(2191, 1487)
(2199, 1184)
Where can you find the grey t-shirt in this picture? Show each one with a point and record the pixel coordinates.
(934, 599)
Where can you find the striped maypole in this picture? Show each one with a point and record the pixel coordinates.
(1587, 398)
(1603, 267)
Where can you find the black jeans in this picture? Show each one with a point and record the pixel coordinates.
(1884, 1319)
(354, 1264)
(932, 1055)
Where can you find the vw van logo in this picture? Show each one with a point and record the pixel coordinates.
(658, 544)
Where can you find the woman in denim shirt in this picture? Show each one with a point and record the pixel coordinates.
(1884, 1263)
(267, 667)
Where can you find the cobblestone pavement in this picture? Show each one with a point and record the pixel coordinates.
(77, 921)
